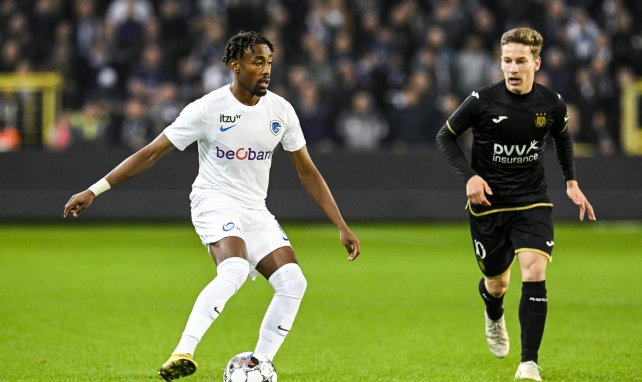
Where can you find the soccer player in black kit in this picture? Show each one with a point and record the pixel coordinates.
(510, 214)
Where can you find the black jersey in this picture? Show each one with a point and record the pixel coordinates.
(509, 139)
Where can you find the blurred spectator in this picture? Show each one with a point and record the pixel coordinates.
(485, 26)
(246, 14)
(604, 142)
(627, 42)
(64, 61)
(173, 26)
(558, 70)
(412, 113)
(553, 27)
(135, 129)
(435, 41)
(165, 109)
(361, 127)
(582, 34)
(586, 102)
(314, 116)
(88, 128)
(88, 27)
(100, 78)
(188, 82)
(10, 56)
(121, 12)
(44, 19)
(148, 75)
(473, 67)
(341, 94)
(210, 42)
(126, 21)
(319, 69)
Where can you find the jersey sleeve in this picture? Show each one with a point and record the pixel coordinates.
(562, 141)
(460, 121)
(189, 126)
(293, 138)
(466, 115)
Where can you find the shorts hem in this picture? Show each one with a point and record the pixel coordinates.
(211, 239)
(498, 276)
(548, 256)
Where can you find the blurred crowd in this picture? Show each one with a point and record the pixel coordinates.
(361, 74)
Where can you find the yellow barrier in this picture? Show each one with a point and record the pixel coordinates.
(46, 83)
(631, 129)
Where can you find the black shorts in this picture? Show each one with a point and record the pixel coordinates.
(498, 237)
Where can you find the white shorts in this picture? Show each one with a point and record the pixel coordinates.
(216, 217)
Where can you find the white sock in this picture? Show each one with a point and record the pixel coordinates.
(289, 286)
(231, 274)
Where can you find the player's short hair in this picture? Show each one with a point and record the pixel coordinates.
(526, 36)
(240, 42)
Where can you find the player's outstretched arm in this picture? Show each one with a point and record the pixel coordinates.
(316, 186)
(129, 168)
(577, 196)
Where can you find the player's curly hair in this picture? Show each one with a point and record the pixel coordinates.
(239, 43)
(526, 36)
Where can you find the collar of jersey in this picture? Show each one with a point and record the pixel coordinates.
(242, 105)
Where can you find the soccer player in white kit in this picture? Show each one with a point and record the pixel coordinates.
(237, 128)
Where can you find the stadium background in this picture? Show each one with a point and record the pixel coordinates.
(372, 82)
(102, 299)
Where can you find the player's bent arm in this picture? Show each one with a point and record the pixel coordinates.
(318, 189)
(138, 162)
(447, 143)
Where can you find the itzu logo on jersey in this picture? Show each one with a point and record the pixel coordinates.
(243, 153)
(510, 154)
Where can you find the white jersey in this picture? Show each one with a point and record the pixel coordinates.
(236, 142)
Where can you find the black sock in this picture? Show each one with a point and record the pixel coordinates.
(532, 317)
(494, 305)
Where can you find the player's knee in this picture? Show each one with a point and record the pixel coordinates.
(289, 281)
(534, 272)
(497, 287)
(235, 270)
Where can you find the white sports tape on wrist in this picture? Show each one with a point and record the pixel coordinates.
(100, 187)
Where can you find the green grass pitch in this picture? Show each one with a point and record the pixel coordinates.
(107, 302)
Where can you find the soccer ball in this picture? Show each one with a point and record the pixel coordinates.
(249, 367)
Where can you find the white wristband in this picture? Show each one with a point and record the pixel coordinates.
(100, 187)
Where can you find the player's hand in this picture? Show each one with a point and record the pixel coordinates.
(476, 190)
(577, 196)
(78, 203)
(351, 242)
